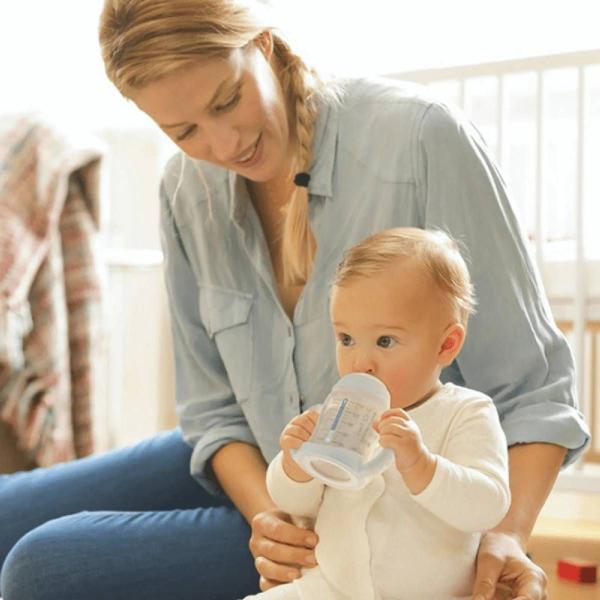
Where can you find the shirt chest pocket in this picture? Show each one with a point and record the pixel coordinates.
(226, 315)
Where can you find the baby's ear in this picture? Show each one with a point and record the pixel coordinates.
(452, 341)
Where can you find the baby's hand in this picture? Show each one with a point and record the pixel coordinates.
(400, 433)
(295, 433)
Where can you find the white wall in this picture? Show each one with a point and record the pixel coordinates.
(51, 58)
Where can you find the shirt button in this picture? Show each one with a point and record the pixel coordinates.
(289, 331)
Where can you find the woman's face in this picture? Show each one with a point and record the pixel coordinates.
(230, 112)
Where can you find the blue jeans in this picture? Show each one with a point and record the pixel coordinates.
(127, 524)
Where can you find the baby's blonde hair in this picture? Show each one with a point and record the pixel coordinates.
(435, 251)
(145, 40)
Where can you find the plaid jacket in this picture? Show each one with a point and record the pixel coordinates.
(49, 287)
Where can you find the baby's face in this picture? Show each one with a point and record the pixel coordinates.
(392, 326)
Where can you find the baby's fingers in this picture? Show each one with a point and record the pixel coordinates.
(293, 436)
(388, 441)
(308, 420)
(394, 425)
(394, 412)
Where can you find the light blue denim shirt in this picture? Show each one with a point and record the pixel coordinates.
(386, 155)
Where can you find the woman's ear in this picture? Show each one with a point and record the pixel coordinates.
(264, 42)
(452, 341)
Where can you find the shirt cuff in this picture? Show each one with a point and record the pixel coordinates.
(551, 423)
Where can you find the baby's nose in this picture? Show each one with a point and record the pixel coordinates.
(364, 363)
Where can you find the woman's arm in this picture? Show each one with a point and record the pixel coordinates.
(279, 547)
(240, 468)
(533, 469)
(288, 487)
(513, 350)
(208, 412)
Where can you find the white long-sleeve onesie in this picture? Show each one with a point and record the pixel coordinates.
(384, 543)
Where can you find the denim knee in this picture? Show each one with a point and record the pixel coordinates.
(37, 568)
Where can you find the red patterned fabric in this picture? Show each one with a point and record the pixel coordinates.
(49, 287)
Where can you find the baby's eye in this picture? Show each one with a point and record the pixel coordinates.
(345, 339)
(386, 341)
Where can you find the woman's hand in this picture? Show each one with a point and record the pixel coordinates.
(502, 563)
(280, 549)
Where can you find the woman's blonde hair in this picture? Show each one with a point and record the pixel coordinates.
(145, 40)
(435, 251)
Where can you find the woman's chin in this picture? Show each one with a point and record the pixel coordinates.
(259, 175)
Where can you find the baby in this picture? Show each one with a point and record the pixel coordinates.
(399, 307)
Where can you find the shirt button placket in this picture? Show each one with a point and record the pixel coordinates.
(295, 399)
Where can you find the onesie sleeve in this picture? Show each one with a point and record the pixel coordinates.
(469, 489)
(513, 352)
(293, 497)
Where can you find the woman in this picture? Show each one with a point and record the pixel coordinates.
(279, 174)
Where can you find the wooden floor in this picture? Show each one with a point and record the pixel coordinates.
(568, 526)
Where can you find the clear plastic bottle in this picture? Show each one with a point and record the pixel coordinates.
(343, 450)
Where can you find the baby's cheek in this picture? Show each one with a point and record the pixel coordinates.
(344, 365)
(396, 383)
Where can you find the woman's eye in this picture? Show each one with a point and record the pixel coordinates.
(186, 134)
(385, 341)
(345, 339)
(230, 104)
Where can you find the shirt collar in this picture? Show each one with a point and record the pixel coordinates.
(324, 146)
(321, 171)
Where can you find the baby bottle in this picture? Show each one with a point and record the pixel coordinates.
(343, 450)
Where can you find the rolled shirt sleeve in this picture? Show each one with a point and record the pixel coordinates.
(209, 414)
(513, 352)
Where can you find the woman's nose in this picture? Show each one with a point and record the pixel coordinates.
(224, 142)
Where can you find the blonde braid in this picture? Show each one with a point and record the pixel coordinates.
(299, 84)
